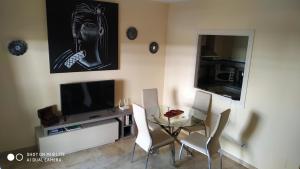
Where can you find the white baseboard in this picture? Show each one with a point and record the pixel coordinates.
(243, 163)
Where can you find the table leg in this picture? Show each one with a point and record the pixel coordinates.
(174, 134)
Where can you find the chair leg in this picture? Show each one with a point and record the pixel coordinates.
(209, 162)
(132, 154)
(173, 153)
(147, 160)
(180, 152)
(221, 161)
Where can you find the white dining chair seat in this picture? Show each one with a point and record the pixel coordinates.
(160, 138)
(197, 127)
(153, 126)
(197, 142)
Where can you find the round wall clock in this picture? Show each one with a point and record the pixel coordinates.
(17, 47)
(132, 33)
(153, 47)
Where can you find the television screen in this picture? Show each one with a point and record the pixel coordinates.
(87, 96)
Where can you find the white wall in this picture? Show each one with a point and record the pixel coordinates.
(273, 92)
(26, 84)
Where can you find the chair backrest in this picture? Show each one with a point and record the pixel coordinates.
(201, 102)
(143, 139)
(150, 100)
(213, 142)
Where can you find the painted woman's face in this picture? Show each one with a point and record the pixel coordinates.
(90, 32)
(89, 22)
(87, 30)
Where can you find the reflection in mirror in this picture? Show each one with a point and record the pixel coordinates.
(221, 64)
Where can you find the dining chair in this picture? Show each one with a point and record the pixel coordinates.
(200, 107)
(207, 145)
(149, 141)
(150, 103)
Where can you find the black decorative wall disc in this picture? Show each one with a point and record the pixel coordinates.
(153, 47)
(17, 47)
(132, 33)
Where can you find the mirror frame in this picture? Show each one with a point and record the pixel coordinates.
(250, 34)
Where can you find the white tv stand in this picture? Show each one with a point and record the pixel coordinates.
(96, 128)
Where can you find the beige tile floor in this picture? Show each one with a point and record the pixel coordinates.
(117, 156)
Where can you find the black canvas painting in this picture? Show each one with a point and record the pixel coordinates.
(82, 35)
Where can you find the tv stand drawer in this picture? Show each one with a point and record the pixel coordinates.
(92, 135)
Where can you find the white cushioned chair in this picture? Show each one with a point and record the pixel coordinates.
(150, 103)
(200, 107)
(207, 145)
(148, 140)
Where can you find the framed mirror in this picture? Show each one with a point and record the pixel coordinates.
(223, 61)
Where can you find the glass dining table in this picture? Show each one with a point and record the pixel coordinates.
(188, 116)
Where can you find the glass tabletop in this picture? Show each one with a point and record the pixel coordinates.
(190, 116)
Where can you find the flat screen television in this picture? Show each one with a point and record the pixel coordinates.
(86, 97)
